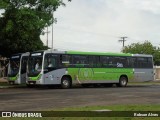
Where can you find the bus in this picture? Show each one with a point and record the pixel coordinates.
(17, 68)
(67, 68)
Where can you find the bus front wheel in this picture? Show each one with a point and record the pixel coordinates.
(123, 82)
(65, 83)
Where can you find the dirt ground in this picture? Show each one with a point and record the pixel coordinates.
(3, 79)
(23, 99)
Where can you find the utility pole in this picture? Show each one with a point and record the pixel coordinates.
(123, 40)
(47, 32)
(52, 28)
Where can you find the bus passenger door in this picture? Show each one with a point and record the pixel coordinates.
(23, 69)
(50, 68)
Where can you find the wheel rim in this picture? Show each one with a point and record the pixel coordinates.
(65, 83)
(123, 82)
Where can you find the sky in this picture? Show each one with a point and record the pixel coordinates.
(97, 25)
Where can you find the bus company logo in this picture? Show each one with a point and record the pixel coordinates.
(86, 73)
(21, 114)
(6, 114)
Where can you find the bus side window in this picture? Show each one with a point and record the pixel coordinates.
(141, 62)
(92, 61)
(50, 62)
(124, 62)
(133, 62)
(106, 61)
(80, 61)
(65, 60)
(150, 63)
(129, 62)
(98, 60)
(119, 63)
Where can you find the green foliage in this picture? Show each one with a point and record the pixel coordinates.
(156, 56)
(138, 48)
(23, 22)
(143, 48)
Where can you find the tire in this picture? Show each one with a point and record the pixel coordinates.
(123, 81)
(66, 83)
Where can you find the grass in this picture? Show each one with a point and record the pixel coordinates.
(139, 108)
(115, 108)
(6, 84)
(145, 83)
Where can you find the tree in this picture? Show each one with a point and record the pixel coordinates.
(23, 22)
(144, 48)
(139, 48)
(156, 57)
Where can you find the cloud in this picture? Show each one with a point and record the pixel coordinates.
(97, 25)
(145, 5)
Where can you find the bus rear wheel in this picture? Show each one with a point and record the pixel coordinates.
(123, 81)
(66, 83)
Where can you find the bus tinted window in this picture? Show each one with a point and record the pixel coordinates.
(133, 62)
(65, 60)
(115, 62)
(80, 61)
(119, 62)
(142, 62)
(106, 61)
(23, 64)
(50, 62)
(150, 65)
(93, 60)
(129, 63)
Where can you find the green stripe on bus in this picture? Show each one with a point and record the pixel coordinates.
(100, 73)
(13, 78)
(98, 53)
(35, 78)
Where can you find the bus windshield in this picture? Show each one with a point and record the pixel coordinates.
(14, 67)
(34, 65)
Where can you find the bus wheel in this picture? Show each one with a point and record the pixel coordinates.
(65, 83)
(123, 81)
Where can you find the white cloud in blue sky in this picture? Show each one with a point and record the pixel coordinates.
(96, 25)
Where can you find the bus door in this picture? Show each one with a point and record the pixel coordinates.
(50, 69)
(23, 69)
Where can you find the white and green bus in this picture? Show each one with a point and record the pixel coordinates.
(66, 68)
(17, 68)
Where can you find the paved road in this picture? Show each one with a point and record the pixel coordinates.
(43, 98)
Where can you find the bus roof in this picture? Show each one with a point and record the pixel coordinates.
(92, 53)
(99, 53)
(142, 55)
(18, 54)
